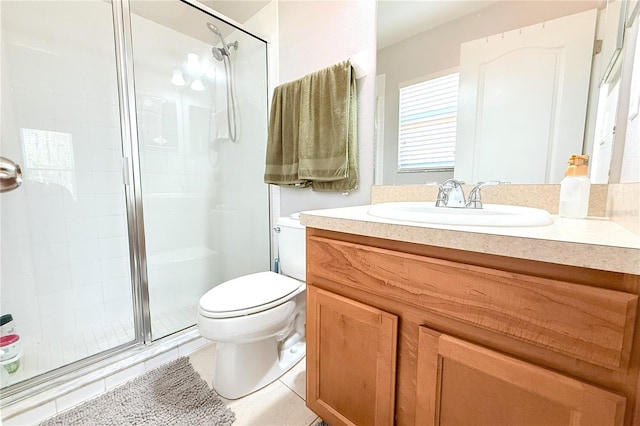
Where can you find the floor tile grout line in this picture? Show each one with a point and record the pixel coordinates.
(292, 390)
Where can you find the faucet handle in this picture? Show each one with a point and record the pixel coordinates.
(441, 199)
(434, 184)
(443, 194)
(475, 197)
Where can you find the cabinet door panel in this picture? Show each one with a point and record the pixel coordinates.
(351, 351)
(460, 383)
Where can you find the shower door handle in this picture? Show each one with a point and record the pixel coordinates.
(10, 175)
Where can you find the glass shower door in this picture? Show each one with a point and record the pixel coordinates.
(65, 287)
(201, 108)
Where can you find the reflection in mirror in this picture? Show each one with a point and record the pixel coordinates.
(626, 147)
(531, 90)
(157, 122)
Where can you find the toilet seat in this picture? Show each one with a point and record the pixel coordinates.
(248, 294)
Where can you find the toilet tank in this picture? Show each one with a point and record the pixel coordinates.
(292, 250)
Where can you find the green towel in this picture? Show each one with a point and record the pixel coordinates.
(312, 137)
(324, 124)
(282, 146)
(336, 139)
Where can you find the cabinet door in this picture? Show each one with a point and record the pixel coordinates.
(351, 360)
(460, 383)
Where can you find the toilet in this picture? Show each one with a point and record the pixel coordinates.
(258, 320)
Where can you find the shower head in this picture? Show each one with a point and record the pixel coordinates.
(214, 29)
(222, 51)
(217, 53)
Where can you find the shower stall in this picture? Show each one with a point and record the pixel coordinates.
(132, 144)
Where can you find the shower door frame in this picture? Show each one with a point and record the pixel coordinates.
(131, 145)
(132, 178)
(132, 171)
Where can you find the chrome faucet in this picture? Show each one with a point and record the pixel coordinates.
(475, 199)
(451, 194)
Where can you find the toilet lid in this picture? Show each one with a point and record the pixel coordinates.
(247, 292)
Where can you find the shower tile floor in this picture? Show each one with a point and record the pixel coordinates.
(42, 355)
(281, 403)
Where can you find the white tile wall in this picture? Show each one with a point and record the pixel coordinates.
(124, 376)
(33, 416)
(85, 273)
(68, 244)
(79, 229)
(163, 358)
(194, 177)
(112, 226)
(80, 395)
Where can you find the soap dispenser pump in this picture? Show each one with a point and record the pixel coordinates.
(575, 188)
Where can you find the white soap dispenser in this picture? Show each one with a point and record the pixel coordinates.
(575, 188)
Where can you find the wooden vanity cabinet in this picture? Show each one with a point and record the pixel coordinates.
(353, 351)
(409, 334)
(459, 383)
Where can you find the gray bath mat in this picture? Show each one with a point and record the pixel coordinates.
(173, 394)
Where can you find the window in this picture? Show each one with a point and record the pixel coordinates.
(427, 124)
(48, 157)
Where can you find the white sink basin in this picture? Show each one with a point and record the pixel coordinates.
(489, 215)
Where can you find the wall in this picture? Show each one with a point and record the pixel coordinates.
(314, 35)
(542, 196)
(624, 197)
(65, 274)
(65, 260)
(265, 24)
(629, 116)
(439, 49)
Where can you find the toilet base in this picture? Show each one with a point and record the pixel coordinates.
(240, 372)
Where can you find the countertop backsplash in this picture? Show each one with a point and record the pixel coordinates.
(623, 205)
(544, 197)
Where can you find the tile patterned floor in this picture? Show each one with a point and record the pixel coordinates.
(179, 318)
(42, 355)
(281, 403)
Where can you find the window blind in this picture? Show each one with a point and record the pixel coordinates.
(427, 124)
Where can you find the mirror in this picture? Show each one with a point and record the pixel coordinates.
(422, 39)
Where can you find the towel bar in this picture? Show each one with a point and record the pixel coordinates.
(358, 60)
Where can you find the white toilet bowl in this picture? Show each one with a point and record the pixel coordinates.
(258, 323)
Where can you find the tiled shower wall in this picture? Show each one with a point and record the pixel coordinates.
(205, 205)
(65, 264)
(65, 249)
(65, 246)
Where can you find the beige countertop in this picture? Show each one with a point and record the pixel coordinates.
(591, 243)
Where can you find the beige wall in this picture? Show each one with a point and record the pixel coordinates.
(625, 167)
(623, 204)
(317, 34)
